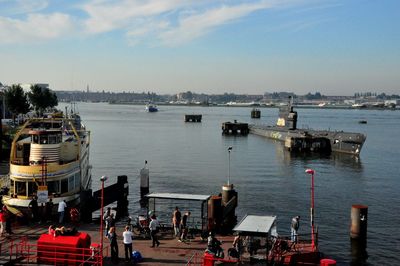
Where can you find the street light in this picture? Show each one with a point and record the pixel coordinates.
(229, 165)
(311, 172)
(102, 179)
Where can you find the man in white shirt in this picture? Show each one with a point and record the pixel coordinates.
(154, 226)
(128, 236)
(61, 210)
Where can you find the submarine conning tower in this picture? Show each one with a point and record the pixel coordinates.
(287, 117)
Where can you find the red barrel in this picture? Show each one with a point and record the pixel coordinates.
(328, 262)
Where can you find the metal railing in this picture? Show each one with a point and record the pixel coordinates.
(23, 252)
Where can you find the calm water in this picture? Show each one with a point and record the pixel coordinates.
(193, 158)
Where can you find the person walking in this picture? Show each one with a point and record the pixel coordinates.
(61, 211)
(112, 236)
(176, 221)
(184, 228)
(294, 228)
(127, 239)
(154, 228)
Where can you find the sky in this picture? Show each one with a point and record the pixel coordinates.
(335, 47)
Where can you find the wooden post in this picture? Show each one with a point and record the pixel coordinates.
(122, 202)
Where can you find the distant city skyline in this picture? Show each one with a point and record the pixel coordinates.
(335, 47)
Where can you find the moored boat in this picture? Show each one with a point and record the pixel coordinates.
(151, 108)
(49, 159)
(296, 139)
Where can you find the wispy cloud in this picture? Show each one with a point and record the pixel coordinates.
(36, 27)
(15, 7)
(196, 25)
(107, 16)
(165, 22)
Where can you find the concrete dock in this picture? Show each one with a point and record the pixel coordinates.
(170, 251)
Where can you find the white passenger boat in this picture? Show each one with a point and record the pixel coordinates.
(49, 159)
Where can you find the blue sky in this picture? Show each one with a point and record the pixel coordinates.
(336, 47)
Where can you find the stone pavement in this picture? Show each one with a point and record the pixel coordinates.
(170, 251)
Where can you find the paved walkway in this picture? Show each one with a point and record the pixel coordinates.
(170, 251)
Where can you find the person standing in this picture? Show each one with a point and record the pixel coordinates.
(294, 228)
(112, 236)
(127, 239)
(61, 211)
(2, 222)
(184, 228)
(33, 206)
(154, 228)
(176, 221)
(109, 222)
(8, 217)
(49, 210)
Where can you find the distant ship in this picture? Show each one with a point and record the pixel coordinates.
(151, 108)
(359, 105)
(49, 159)
(307, 139)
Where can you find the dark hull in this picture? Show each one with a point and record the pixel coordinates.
(313, 140)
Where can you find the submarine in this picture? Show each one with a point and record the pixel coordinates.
(296, 139)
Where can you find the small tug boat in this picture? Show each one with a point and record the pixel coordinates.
(151, 108)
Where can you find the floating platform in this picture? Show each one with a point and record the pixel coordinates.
(193, 118)
(235, 128)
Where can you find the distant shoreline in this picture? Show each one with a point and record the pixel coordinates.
(262, 106)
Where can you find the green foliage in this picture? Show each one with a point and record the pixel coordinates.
(42, 98)
(16, 100)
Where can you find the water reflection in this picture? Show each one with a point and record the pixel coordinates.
(339, 160)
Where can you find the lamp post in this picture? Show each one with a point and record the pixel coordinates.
(102, 179)
(229, 165)
(311, 172)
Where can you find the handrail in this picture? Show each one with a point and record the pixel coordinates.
(23, 251)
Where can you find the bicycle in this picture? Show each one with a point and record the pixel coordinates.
(140, 227)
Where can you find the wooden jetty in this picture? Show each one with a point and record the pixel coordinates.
(193, 118)
(235, 128)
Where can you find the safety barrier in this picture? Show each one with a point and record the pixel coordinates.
(25, 253)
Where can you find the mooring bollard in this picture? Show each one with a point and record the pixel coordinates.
(229, 202)
(359, 219)
(358, 233)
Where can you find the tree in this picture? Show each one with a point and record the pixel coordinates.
(42, 98)
(16, 100)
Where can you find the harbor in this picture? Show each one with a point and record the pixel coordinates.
(259, 193)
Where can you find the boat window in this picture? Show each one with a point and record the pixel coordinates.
(64, 185)
(71, 183)
(77, 180)
(32, 188)
(35, 139)
(53, 139)
(20, 188)
(53, 187)
(43, 139)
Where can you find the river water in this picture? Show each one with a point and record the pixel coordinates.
(193, 158)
